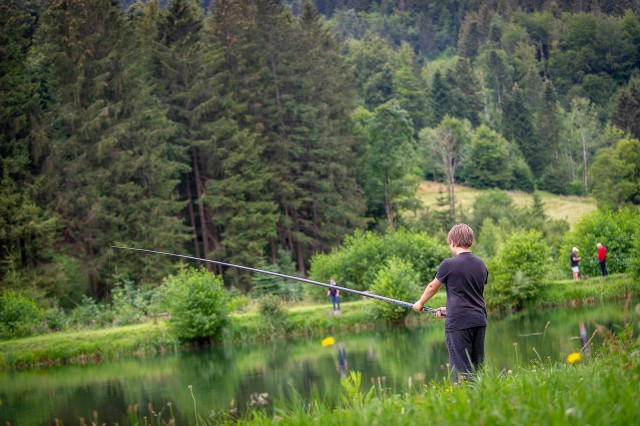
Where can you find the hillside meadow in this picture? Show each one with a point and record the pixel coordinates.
(568, 207)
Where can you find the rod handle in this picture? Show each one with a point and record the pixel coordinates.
(432, 311)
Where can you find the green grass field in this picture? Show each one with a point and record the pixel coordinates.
(568, 207)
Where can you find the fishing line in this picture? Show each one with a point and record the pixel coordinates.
(304, 280)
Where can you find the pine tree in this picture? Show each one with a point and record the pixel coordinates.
(408, 87)
(626, 114)
(517, 127)
(440, 99)
(27, 231)
(466, 92)
(288, 73)
(108, 173)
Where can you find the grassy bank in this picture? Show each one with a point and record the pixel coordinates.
(318, 320)
(87, 345)
(597, 391)
(593, 290)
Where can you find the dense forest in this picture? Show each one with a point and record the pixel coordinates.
(243, 129)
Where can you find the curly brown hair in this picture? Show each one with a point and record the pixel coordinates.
(461, 235)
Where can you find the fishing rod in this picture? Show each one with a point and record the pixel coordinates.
(304, 280)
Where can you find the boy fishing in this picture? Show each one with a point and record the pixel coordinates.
(464, 276)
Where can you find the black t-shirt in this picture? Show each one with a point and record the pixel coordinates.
(574, 259)
(464, 276)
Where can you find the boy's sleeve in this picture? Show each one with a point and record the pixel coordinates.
(443, 272)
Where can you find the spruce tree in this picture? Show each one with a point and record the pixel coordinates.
(517, 127)
(288, 73)
(409, 88)
(626, 110)
(229, 207)
(108, 174)
(27, 231)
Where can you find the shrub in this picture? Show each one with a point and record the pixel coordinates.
(353, 264)
(517, 270)
(90, 314)
(634, 264)
(357, 262)
(198, 305)
(19, 316)
(238, 302)
(273, 317)
(130, 303)
(397, 280)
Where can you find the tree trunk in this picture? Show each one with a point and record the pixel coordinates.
(388, 206)
(204, 230)
(451, 196)
(584, 161)
(192, 221)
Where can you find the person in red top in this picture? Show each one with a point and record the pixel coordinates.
(602, 259)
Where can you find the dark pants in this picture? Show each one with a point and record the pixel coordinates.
(603, 268)
(466, 350)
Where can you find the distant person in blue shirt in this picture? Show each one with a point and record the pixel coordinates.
(334, 293)
(464, 276)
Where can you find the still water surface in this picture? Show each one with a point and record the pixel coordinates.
(232, 377)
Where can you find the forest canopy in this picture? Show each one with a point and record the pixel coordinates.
(239, 129)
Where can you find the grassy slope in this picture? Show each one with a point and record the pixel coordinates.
(567, 207)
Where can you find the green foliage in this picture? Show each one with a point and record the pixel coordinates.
(634, 264)
(123, 126)
(626, 113)
(491, 166)
(197, 302)
(90, 314)
(398, 280)
(19, 316)
(495, 205)
(265, 284)
(389, 168)
(615, 175)
(616, 230)
(517, 270)
(273, 316)
(111, 177)
(131, 304)
(238, 302)
(356, 263)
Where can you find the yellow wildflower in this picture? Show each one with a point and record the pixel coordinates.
(328, 341)
(573, 357)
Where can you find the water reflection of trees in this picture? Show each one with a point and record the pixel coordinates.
(231, 375)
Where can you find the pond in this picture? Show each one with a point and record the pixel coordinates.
(232, 377)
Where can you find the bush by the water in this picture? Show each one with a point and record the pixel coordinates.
(198, 305)
(517, 270)
(273, 316)
(356, 263)
(398, 280)
(19, 316)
